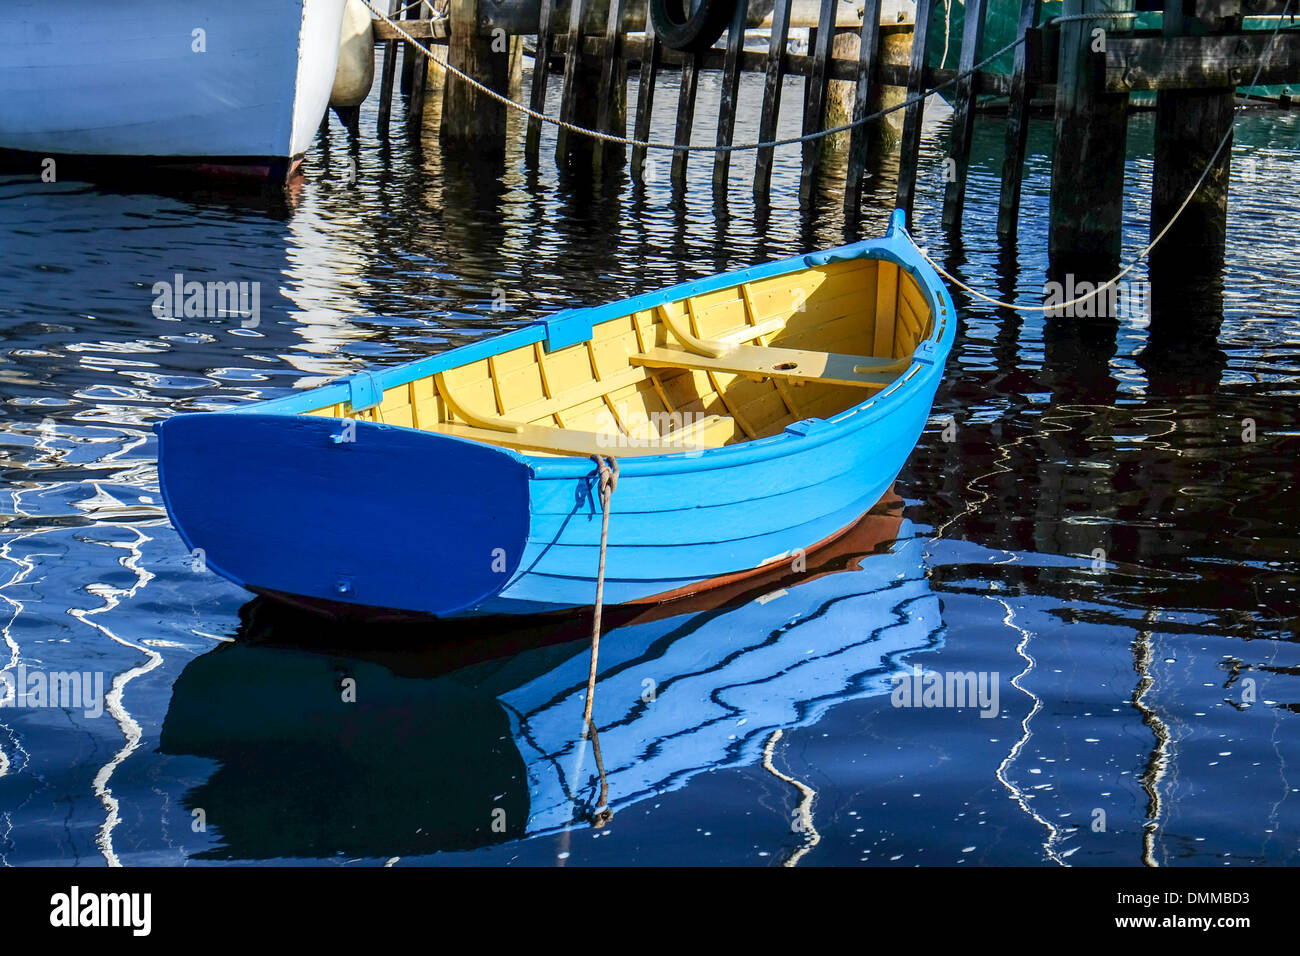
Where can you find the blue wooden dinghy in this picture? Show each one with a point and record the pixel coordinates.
(754, 415)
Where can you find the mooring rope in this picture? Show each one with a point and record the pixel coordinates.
(731, 148)
(607, 481)
(1163, 232)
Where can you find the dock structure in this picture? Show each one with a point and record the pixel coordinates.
(865, 54)
(847, 74)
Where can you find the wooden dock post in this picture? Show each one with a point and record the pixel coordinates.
(814, 100)
(611, 103)
(1189, 126)
(410, 56)
(652, 52)
(772, 84)
(685, 116)
(1017, 130)
(1087, 204)
(860, 136)
(910, 147)
(580, 99)
(387, 76)
(419, 84)
(572, 62)
(730, 90)
(541, 67)
(963, 122)
(470, 118)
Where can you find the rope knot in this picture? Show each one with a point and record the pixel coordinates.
(607, 482)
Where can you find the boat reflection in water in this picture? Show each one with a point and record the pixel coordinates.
(456, 740)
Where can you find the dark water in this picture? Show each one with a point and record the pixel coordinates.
(1098, 543)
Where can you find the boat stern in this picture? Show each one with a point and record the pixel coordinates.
(345, 511)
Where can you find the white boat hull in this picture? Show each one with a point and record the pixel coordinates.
(240, 81)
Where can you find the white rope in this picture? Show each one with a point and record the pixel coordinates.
(1163, 232)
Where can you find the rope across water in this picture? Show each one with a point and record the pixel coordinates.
(808, 137)
(1109, 283)
(731, 148)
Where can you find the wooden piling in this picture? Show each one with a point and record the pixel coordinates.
(730, 91)
(1017, 128)
(685, 116)
(515, 69)
(910, 147)
(814, 102)
(410, 56)
(1087, 203)
(611, 107)
(572, 63)
(415, 103)
(1189, 126)
(772, 84)
(652, 51)
(963, 122)
(470, 118)
(387, 76)
(541, 66)
(860, 136)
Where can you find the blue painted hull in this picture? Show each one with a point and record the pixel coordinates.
(391, 517)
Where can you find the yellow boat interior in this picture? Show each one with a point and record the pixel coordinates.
(713, 369)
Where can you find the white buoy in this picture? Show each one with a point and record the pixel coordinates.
(356, 71)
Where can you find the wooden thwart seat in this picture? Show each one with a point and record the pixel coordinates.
(831, 368)
(704, 433)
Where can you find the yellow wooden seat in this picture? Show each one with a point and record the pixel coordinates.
(800, 365)
(711, 431)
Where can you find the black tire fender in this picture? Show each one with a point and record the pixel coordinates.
(680, 28)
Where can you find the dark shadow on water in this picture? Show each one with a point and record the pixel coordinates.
(238, 194)
(1182, 355)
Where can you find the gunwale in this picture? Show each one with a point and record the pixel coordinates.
(365, 389)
